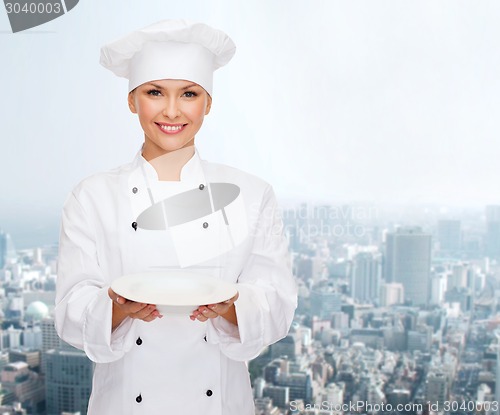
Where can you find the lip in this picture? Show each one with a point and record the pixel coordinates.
(172, 132)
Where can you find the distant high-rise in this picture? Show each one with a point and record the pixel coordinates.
(458, 276)
(7, 250)
(365, 276)
(324, 302)
(288, 346)
(449, 235)
(68, 381)
(20, 384)
(50, 339)
(279, 395)
(439, 283)
(436, 388)
(299, 385)
(3, 249)
(497, 377)
(408, 261)
(493, 231)
(391, 293)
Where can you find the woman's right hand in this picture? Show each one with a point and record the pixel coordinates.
(123, 308)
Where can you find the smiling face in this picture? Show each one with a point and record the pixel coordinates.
(171, 112)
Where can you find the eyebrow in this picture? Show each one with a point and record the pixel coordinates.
(182, 89)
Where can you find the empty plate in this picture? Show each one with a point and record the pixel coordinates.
(174, 291)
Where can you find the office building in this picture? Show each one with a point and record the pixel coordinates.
(50, 339)
(373, 338)
(493, 231)
(32, 337)
(449, 235)
(325, 301)
(278, 394)
(458, 276)
(365, 275)
(420, 339)
(19, 384)
(68, 381)
(7, 250)
(439, 283)
(436, 388)
(408, 261)
(299, 385)
(31, 357)
(391, 293)
(289, 346)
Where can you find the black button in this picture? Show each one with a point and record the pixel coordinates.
(138, 341)
(205, 338)
(205, 225)
(134, 225)
(201, 186)
(138, 399)
(209, 392)
(134, 190)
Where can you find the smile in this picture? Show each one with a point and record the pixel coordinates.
(171, 129)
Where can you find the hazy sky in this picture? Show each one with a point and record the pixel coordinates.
(378, 101)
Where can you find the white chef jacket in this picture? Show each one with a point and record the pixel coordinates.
(170, 365)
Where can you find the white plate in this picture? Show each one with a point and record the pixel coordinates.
(174, 291)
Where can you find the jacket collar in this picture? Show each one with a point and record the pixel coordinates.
(192, 171)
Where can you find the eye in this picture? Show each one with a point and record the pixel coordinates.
(154, 92)
(190, 94)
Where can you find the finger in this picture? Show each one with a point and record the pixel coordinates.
(131, 307)
(117, 298)
(144, 312)
(209, 313)
(201, 317)
(149, 318)
(219, 308)
(114, 296)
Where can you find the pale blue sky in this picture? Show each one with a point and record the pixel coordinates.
(378, 101)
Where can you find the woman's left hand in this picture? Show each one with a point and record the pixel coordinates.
(224, 309)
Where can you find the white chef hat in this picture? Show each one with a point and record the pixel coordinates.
(169, 49)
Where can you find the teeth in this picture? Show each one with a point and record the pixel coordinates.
(171, 127)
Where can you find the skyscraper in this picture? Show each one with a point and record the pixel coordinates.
(436, 388)
(391, 293)
(408, 261)
(50, 339)
(325, 301)
(493, 231)
(365, 275)
(3, 248)
(449, 235)
(7, 250)
(68, 381)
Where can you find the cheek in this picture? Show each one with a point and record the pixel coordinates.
(196, 113)
(146, 110)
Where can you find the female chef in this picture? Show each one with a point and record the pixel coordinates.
(124, 221)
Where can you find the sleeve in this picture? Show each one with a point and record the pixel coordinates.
(267, 291)
(83, 312)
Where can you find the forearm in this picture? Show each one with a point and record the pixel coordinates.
(230, 315)
(117, 317)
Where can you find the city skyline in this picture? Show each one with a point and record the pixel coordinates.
(359, 334)
(333, 101)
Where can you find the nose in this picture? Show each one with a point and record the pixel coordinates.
(171, 109)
